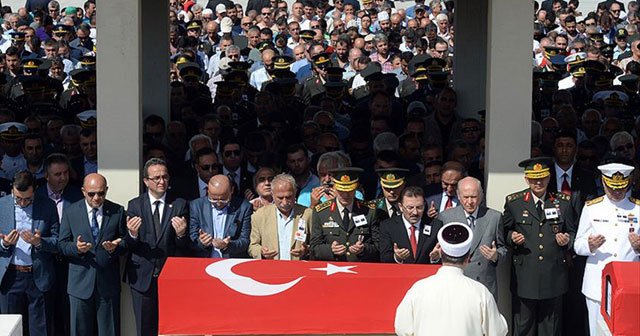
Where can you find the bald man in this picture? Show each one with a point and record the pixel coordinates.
(91, 238)
(220, 223)
(262, 75)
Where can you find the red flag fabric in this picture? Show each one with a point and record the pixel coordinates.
(245, 296)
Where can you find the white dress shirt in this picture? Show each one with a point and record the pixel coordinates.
(284, 234)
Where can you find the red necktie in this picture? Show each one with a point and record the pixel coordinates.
(412, 240)
(565, 185)
(449, 203)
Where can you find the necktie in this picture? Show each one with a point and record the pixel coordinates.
(345, 218)
(156, 218)
(565, 185)
(232, 176)
(449, 203)
(472, 221)
(539, 208)
(412, 240)
(94, 224)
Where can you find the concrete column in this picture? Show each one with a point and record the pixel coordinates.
(508, 130)
(154, 58)
(119, 110)
(470, 57)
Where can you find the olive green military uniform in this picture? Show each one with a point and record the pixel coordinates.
(327, 226)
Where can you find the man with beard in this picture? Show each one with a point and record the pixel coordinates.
(33, 150)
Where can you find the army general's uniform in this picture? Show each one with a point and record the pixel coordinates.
(540, 270)
(328, 225)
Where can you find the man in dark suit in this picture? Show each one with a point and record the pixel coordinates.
(191, 187)
(410, 238)
(63, 193)
(29, 236)
(571, 179)
(232, 166)
(567, 177)
(220, 223)
(157, 225)
(450, 174)
(88, 162)
(487, 247)
(539, 226)
(344, 228)
(91, 237)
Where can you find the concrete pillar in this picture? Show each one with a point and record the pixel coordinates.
(470, 57)
(154, 58)
(508, 130)
(119, 110)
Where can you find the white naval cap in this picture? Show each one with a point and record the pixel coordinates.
(576, 58)
(455, 239)
(616, 175)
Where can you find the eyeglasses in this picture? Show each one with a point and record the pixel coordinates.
(232, 152)
(157, 179)
(262, 179)
(623, 147)
(93, 194)
(218, 202)
(214, 166)
(22, 200)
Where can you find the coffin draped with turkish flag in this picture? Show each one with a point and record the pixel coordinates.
(620, 304)
(244, 296)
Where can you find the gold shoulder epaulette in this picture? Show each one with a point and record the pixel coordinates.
(322, 206)
(634, 200)
(594, 201)
(515, 196)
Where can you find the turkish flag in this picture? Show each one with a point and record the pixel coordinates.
(245, 296)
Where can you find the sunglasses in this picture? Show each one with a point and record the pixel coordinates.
(266, 14)
(93, 194)
(623, 147)
(262, 179)
(232, 152)
(214, 166)
(315, 27)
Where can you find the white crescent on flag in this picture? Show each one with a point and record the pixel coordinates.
(221, 270)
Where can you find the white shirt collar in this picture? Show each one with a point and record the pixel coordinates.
(341, 208)
(153, 200)
(408, 225)
(474, 214)
(559, 172)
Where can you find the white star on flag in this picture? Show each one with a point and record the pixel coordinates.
(333, 269)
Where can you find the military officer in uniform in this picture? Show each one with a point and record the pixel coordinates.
(539, 227)
(315, 84)
(608, 231)
(345, 229)
(392, 181)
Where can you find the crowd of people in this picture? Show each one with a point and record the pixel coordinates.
(314, 130)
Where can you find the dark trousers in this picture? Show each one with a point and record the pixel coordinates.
(145, 308)
(95, 316)
(537, 317)
(19, 295)
(574, 312)
(59, 301)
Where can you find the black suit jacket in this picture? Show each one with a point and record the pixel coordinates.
(149, 251)
(583, 186)
(393, 231)
(185, 187)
